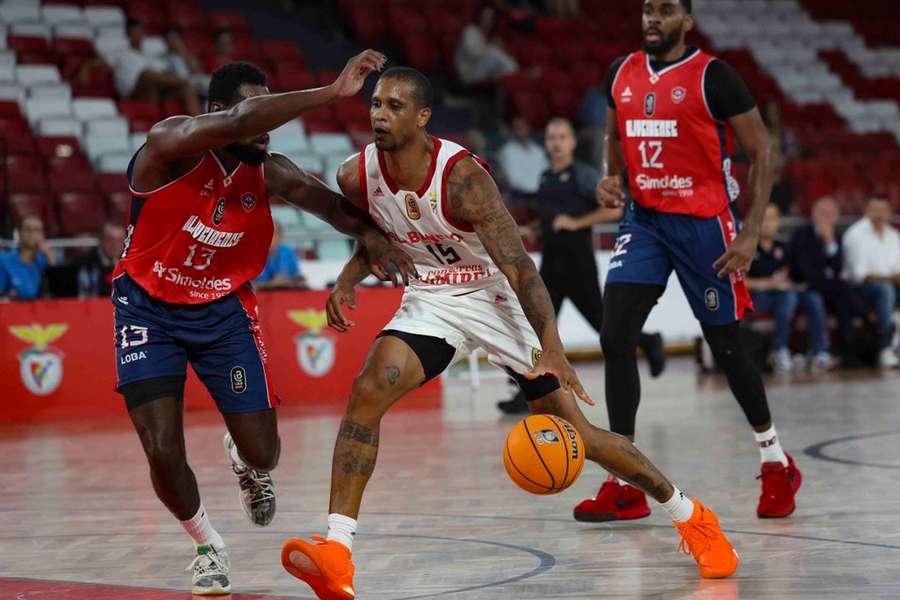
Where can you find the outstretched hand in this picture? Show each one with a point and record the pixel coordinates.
(555, 363)
(351, 79)
(334, 308)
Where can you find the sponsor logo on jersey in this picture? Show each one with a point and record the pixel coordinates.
(412, 207)
(316, 351)
(219, 211)
(678, 94)
(377, 193)
(209, 236)
(651, 128)
(41, 365)
(536, 355)
(667, 182)
(432, 198)
(546, 436)
(238, 380)
(650, 104)
(174, 275)
(456, 275)
(499, 299)
(132, 357)
(248, 201)
(208, 189)
(731, 184)
(626, 95)
(712, 298)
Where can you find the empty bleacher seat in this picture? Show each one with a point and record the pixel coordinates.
(60, 126)
(28, 75)
(115, 163)
(137, 140)
(80, 212)
(103, 16)
(87, 109)
(99, 145)
(289, 138)
(22, 204)
(76, 180)
(307, 161)
(41, 108)
(14, 13)
(331, 143)
(12, 92)
(57, 14)
(108, 127)
(73, 31)
(31, 30)
(56, 91)
(333, 249)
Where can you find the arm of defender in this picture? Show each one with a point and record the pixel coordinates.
(753, 137)
(473, 198)
(182, 137)
(610, 190)
(285, 179)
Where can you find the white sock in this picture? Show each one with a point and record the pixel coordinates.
(236, 458)
(341, 529)
(199, 528)
(770, 449)
(679, 506)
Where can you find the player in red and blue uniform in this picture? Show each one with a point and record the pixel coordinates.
(199, 231)
(673, 114)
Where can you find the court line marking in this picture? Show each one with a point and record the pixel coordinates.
(547, 562)
(818, 450)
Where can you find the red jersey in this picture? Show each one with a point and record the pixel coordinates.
(201, 236)
(678, 156)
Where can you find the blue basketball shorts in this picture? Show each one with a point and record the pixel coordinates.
(221, 340)
(651, 244)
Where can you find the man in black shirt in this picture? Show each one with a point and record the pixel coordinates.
(96, 265)
(567, 209)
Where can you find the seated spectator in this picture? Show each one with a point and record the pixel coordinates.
(773, 291)
(282, 267)
(224, 51)
(479, 56)
(140, 76)
(872, 266)
(522, 159)
(96, 265)
(817, 261)
(183, 62)
(22, 269)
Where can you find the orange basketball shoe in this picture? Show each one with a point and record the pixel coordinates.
(325, 566)
(702, 536)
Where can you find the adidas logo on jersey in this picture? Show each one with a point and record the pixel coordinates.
(626, 95)
(208, 188)
(377, 192)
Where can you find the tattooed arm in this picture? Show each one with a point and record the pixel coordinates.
(473, 199)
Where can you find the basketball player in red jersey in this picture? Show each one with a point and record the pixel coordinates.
(477, 288)
(199, 231)
(673, 114)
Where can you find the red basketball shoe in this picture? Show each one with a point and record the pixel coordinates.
(779, 486)
(614, 502)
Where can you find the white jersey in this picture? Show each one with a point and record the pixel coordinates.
(448, 255)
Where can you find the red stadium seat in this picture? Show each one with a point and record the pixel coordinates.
(118, 207)
(532, 106)
(73, 47)
(186, 16)
(109, 183)
(139, 109)
(25, 174)
(22, 44)
(228, 19)
(60, 166)
(564, 103)
(282, 50)
(74, 180)
(22, 204)
(423, 53)
(9, 109)
(80, 212)
(352, 110)
(61, 147)
(17, 141)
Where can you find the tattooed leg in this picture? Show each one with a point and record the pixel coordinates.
(391, 371)
(613, 452)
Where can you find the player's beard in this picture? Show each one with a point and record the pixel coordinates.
(247, 153)
(666, 43)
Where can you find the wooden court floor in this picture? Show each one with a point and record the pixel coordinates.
(78, 518)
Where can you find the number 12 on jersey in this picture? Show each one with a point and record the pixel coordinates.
(652, 148)
(443, 254)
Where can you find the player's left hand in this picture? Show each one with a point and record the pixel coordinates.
(564, 223)
(739, 255)
(554, 362)
(354, 74)
(390, 263)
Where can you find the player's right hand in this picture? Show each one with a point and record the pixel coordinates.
(610, 192)
(351, 79)
(554, 362)
(334, 308)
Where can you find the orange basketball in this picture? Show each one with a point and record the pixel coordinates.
(543, 454)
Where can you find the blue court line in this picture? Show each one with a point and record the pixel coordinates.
(818, 450)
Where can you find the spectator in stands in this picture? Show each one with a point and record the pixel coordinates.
(817, 261)
(479, 56)
(96, 265)
(224, 51)
(140, 76)
(282, 267)
(774, 292)
(183, 62)
(522, 159)
(872, 266)
(22, 269)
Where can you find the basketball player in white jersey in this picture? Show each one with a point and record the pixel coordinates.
(477, 287)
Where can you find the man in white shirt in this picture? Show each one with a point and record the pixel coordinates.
(522, 159)
(872, 266)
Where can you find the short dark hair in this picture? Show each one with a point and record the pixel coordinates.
(687, 4)
(228, 79)
(423, 93)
